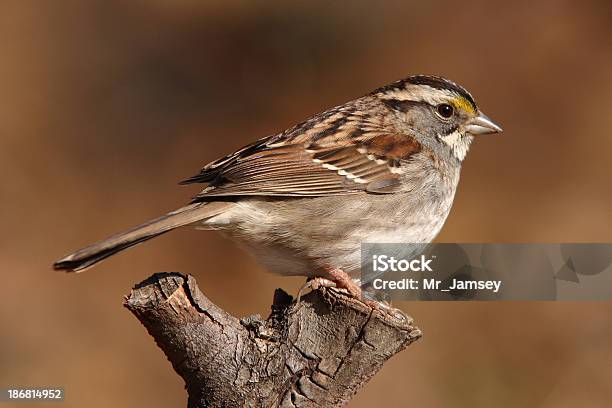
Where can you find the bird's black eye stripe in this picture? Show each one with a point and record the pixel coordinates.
(400, 105)
(445, 110)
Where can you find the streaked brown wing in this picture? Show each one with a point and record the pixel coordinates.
(329, 166)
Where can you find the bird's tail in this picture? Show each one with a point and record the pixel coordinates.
(94, 253)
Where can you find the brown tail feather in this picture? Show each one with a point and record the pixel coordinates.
(94, 253)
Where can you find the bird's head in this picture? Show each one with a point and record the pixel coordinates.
(436, 108)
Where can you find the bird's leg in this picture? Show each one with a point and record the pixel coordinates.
(344, 281)
(332, 278)
(336, 277)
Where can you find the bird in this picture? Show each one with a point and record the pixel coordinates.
(380, 168)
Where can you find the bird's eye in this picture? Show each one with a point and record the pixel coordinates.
(445, 110)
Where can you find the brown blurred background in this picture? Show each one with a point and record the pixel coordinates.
(104, 105)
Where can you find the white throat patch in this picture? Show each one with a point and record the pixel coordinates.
(459, 144)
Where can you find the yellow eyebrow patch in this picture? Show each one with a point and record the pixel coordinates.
(462, 103)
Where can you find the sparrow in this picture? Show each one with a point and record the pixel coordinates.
(380, 168)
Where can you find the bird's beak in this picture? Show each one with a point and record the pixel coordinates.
(482, 125)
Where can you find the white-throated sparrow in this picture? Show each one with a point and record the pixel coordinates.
(380, 168)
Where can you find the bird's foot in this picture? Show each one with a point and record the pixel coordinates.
(343, 281)
(314, 284)
(337, 278)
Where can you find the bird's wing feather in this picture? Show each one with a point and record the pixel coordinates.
(330, 155)
(278, 169)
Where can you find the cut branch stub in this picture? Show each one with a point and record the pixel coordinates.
(314, 353)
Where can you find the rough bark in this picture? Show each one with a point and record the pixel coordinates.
(314, 353)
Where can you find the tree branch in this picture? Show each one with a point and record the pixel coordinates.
(314, 353)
